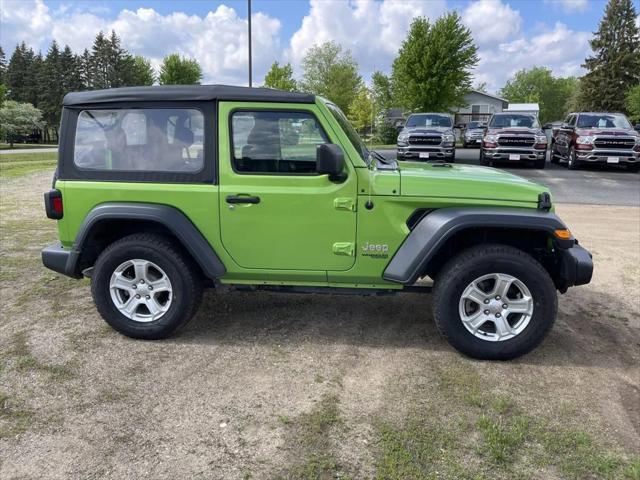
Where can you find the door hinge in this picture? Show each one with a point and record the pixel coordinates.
(344, 204)
(343, 248)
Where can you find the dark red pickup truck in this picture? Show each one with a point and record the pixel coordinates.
(596, 137)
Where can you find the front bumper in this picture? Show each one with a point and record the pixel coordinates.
(608, 156)
(576, 267)
(514, 154)
(426, 152)
(62, 260)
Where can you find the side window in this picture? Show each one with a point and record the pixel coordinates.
(146, 139)
(275, 142)
(573, 120)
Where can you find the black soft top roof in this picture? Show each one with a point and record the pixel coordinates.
(178, 93)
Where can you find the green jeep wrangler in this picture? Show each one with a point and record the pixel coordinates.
(162, 191)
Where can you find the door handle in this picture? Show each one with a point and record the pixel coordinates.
(233, 199)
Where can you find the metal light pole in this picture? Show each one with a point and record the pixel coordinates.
(250, 73)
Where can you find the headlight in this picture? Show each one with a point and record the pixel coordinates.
(541, 139)
(448, 137)
(403, 137)
(491, 138)
(585, 140)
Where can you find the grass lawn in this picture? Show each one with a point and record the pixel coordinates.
(14, 164)
(26, 146)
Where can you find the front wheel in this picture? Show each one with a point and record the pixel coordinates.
(494, 302)
(145, 287)
(573, 163)
(483, 159)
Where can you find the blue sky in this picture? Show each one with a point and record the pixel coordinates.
(510, 34)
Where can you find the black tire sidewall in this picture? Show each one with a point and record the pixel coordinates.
(165, 325)
(544, 310)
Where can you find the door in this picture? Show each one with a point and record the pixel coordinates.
(564, 135)
(276, 212)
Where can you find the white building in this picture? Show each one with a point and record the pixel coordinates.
(523, 108)
(479, 107)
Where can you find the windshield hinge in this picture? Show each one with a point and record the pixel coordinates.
(344, 204)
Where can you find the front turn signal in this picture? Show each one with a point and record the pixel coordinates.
(563, 234)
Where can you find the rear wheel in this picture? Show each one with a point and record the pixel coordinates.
(573, 163)
(494, 302)
(145, 287)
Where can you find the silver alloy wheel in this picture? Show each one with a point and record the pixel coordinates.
(140, 290)
(496, 307)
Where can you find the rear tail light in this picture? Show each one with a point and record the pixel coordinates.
(53, 204)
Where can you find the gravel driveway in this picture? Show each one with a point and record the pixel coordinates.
(269, 385)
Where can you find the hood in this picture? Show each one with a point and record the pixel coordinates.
(611, 132)
(426, 130)
(466, 181)
(515, 131)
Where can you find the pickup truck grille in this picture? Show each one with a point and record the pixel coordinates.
(425, 140)
(621, 143)
(516, 141)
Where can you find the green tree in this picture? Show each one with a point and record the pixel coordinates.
(176, 70)
(143, 73)
(22, 75)
(331, 73)
(19, 119)
(280, 77)
(71, 67)
(109, 65)
(361, 111)
(52, 90)
(615, 66)
(382, 92)
(633, 103)
(432, 70)
(538, 85)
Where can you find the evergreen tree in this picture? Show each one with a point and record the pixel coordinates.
(432, 70)
(143, 73)
(51, 79)
(331, 73)
(70, 66)
(280, 77)
(615, 66)
(86, 70)
(18, 70)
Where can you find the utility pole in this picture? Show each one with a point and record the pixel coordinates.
(249, 18)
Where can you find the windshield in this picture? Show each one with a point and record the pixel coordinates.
(473, 125)
(348, 129)
(514, 120)
(603, 120)
(428, 120)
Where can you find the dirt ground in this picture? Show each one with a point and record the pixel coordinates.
(290, 386)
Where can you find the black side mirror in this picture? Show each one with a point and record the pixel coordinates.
(566, 126)
(547, 126)
(330, 161)
(637, 127)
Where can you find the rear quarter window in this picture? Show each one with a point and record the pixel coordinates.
(140, 140)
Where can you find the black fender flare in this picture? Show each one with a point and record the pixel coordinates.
(173, 219)
(426, 238)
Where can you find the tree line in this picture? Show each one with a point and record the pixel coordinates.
(431, 72)
(43, 80)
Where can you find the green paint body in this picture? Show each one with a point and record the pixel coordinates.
(307, 230)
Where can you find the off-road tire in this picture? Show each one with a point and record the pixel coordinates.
(186, 281)
(572, 160)
(475, 262)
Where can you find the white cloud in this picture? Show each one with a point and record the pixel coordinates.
(570, 6)
(548, 49)
(372, 30)
(29, 21)
(491, 21)
(218, 40)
